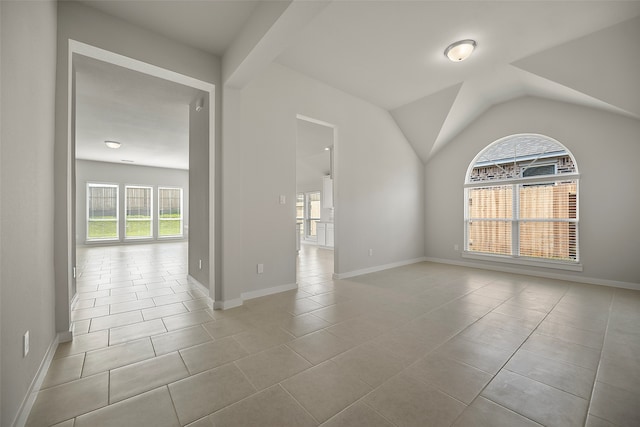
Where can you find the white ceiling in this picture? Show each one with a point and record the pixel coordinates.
(391, 52)
(147, 115)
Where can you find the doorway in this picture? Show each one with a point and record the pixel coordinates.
(145, 208)
(315, 201)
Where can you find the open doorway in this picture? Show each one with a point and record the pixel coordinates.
(142, 155)
(315, 201)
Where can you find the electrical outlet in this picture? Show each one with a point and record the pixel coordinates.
(283, 199)
(370, 252)
(25, 344)
(199, 264)
(260, 268)
(456, 247)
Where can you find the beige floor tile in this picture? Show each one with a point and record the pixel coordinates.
(519, 312)
(140, 377)
(615, 405)
(563, 351)
(457, 379)
(202, 422)
(68, 400)
(479, 355)
(272, 366)
(371, 362)
(122, 307)
(135, 331)
(153, 408)
(212, 354)
(81, 327)
(587, 321)
(197, 304)
(115, 320)
(225, 327)
(83, 343)
(163, 311)
(68, 423)
(570, 378)
(185, 320)
(272, 407)
(571, 334)
(154, 292)
(128, 290)
(304, 324)
(256, 340)
(113, 299)
(170, 299)
(357, 415)
(337, 313)
(319, 346)
(88, 313)
(485, 413)
(621, 372)
(209, 391)
(118, 355)
(63, 370)
(542, 403)
(593, 421)
(356, 330)
(407, 401)
(325, 390)
(180, 339)
(494, 336)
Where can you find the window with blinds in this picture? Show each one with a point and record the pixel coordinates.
(102, 211)
(138, 212)
(521, 200)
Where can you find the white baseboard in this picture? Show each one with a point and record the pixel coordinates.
(545, 274)
(268, 291)
(227, 304)
(34, 388)
(377, 268)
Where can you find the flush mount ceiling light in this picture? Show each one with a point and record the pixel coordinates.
(112, 144)
(461, 50)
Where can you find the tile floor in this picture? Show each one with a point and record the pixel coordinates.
(421, 345)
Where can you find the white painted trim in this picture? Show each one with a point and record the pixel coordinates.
(268, 291)
(202, 288)
(524, 261)
(354, 273)
(225, 305)
(34, 388)
(548, 275)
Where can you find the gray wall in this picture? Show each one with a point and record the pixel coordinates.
(114, 173)
(87, 25)
(28, 51)
(199, 184)
(379, 180)
(606, 149)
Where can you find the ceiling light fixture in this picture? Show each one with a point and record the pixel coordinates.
(461, 50)
(112, 144)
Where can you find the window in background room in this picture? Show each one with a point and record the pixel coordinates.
(138, 212)
(312, 211)
(102, 212)
(170, 221)
(300, 212)
(521, 200)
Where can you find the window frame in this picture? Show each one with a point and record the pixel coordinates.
(307, 214)
(160, 219)
(126, 219)
(89, 239)
(515, 257)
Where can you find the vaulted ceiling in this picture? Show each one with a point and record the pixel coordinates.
(390, 53)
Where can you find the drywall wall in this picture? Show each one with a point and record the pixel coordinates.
(123, 174)
(27, 195)
(199, 184)
(379, 179)
(606, 149)
(84, 24)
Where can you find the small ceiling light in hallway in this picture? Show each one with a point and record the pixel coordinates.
(112, 144)
(460, 50)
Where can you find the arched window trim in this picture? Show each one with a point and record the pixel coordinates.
(515, 257)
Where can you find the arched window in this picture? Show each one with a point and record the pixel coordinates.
(521, 201)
